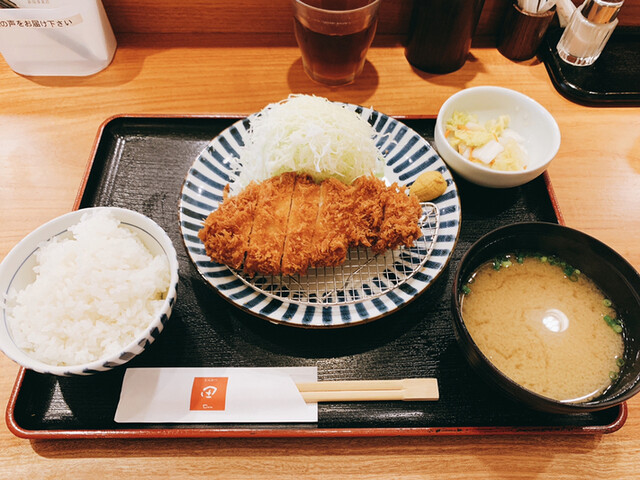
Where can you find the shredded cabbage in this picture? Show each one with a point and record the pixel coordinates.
(492, 144)
(307, 134)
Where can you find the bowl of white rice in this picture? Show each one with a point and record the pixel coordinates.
(87, 291)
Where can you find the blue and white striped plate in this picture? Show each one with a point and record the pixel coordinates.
(407, 155)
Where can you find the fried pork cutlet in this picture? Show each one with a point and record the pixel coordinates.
(299, 244)
(367, 211)
(268, 234)
(288, 224)
(227, 230)
(400, 223)
(334, 216)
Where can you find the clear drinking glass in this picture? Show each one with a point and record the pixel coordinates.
(334, 37)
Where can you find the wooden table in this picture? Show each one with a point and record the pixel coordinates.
(47, 129)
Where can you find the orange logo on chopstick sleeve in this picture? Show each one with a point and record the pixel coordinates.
(209, 393)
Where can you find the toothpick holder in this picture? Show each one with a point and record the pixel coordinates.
(522, 32)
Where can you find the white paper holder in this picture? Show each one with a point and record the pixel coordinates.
(58, 38)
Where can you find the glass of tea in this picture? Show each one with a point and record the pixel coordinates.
(334, 37)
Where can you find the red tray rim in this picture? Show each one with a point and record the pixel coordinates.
(294, 432)
(266, 432)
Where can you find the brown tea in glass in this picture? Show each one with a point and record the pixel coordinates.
(334, 37)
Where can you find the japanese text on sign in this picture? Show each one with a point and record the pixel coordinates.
(60, 23)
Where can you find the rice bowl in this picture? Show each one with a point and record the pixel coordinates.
(90, 299)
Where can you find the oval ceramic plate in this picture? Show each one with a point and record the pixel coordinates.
(406, 155)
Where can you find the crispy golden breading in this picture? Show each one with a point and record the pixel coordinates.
(367, 211)
(227, 230)
(299, 244)
(400, 224)
(288, 224)
(331, 241)
(269, 230)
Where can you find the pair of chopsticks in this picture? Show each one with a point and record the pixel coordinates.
(408, 389)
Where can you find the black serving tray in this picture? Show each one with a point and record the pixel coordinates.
(140, 163)
(614, 78)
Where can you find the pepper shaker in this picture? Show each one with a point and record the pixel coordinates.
(588, 31)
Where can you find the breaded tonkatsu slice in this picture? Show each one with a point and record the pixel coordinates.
(300, 242)
(334, 218)
(269, 230)
(288, 224)
(367, 210)
(400, 223)
(227, 230)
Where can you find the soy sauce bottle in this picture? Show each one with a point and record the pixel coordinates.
(440, 33)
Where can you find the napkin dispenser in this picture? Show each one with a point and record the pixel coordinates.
(56, 37)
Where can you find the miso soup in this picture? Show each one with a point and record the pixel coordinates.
(544, 325)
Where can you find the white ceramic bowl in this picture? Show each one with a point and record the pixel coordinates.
(528, 118)
(16, 271)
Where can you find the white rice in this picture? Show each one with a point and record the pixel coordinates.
(93, 293)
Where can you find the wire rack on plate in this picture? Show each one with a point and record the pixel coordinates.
(361, 277)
